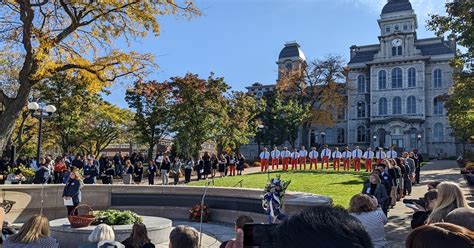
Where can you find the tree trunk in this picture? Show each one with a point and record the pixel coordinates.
(304, 134)
(151, 147)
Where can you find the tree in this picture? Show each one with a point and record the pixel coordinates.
(75, 38)
(458, 24)
(152, 103)
(319, 87)
(197, 111)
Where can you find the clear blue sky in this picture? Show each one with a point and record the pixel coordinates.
(241, 39)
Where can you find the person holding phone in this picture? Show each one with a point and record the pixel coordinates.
(72, 191)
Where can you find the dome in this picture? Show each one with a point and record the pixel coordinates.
(396, 6)
(291, 50)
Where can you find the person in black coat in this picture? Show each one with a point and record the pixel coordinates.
(207, 164)
(108, 173)
(152, 169)
(418, 161)
(72, 190)
(90, 172)
(199, 167)
(77, 162)
(240, 163)
(138, 173)
(374, 188)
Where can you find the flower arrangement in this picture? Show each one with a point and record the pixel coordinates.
(274, 193)
(27, 172)
(116, 217)
(195, 213)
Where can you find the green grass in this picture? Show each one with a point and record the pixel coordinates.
(339, 186)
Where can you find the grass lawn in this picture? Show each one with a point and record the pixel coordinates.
(337, 185)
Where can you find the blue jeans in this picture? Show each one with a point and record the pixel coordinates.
(118, 169)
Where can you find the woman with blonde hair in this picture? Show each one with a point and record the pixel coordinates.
(450, 197)
(102, 232)
(34, 233)
(72, 191)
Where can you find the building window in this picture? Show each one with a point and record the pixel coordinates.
(397, 78)
(361, 134)
(396, 50)
(411, 105)
(383, 106)
(397, 27)
(405, 27)
(437, 107)
(341, 115)
(438, 132)
(341, 136)
(289, 66)
(382, 80)
(437, 78)
(397, 106)
(361, 109)
(387, 29)
(412, 77)
(259, 94)
(329, 138)
(361, 84)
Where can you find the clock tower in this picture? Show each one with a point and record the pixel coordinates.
(397, 30)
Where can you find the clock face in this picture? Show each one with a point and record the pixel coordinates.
(397, 42)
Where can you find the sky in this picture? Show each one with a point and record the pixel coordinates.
(240, 39)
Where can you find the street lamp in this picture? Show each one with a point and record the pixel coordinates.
(40, 113)
(322, 137)
(418, 140)
(375, 139)
(260, 128)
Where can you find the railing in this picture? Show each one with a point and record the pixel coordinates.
(239, 183)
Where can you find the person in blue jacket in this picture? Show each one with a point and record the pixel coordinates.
(72, 190)
(90, 172)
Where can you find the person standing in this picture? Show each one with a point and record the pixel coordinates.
(275, 157)
(118, 164)
(90, 172)
(152, 169)
(357, 155)
(159, 159)
(188, 168)
(107, 175)
(313, 158)
(380, 155)
(418, 160)
(240, 164)
(232, 162)
(77, 162)
(127, 172)
(165, 168)
(176, 169)
(72, 191)
(295, 155)
(222, 163)
(374, 188)
(325, 154)
(391, 154)
(264, 157)
(410, 173)
(346, 159)
(214, 165)
(138, 173)
(285, 158)
(303, 155)
(368, 157)
(207, 164)
(199, 167)
(336, 158)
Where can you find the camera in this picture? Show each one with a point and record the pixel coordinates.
(420, 201)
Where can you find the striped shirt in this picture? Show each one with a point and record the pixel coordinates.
(373, 223)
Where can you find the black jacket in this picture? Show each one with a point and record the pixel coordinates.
(73, 190)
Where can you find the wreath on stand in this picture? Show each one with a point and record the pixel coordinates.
(273, 198)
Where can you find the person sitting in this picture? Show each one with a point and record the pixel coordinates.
(463, 217)
(102, 232)
(138, 238)
(423, 212)
(440, 235)
(450, 197)
(184, 237)
(239, 224)
(34, 233)
(365, 209)
(15, 177)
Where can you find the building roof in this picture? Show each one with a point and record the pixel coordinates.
(291, 49)
(396, 6)
(363, 56)
(436, 48)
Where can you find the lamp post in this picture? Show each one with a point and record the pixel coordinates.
(41, 113)
(323, 134)
(260, 129)
(418, 141)
(375, 139)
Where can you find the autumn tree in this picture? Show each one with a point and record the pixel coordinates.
(198, 111)
(43, 38)
(458, 24)
(319, 87)
(152, 104)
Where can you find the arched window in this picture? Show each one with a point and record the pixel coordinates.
(361, 84)
(289, 66)
(383, 106)
(437, 78)
(397, 78)
(329, 138)
(312, 137)
(412, 77)
(361, 134)
(397, 106)
(438, 132)
(437, 107)
(361, 109)
(382, 80)
(341, 136)
(411, 105)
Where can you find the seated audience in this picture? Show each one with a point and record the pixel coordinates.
(421, 215)
(184, 237)
(365, 209)
(440, 235)
(450, 197)
(463, 217)
(34, 233)
(239, 224)
(138, 238)
(102, 232)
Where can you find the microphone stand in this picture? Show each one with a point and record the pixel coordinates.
(202, 211)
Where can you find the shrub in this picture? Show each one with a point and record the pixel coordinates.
(116, 217)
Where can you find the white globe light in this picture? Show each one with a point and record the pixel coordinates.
(33, 106)
(50, 109)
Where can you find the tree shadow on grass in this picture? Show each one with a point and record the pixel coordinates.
(280, 172)
(351, 182)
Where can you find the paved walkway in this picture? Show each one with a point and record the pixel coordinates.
(398, 226)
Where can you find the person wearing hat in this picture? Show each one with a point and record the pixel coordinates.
(275, 157)
(368, 156)
(346, 158)
(285, 158)
(325, 154)
(357, 155)
(313, 158)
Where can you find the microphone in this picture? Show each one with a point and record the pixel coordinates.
(202, 211)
